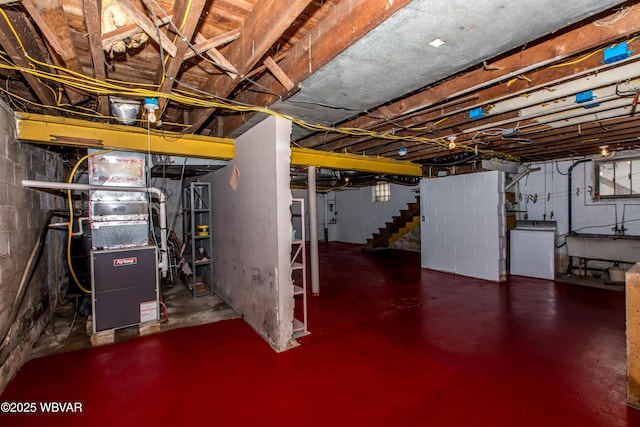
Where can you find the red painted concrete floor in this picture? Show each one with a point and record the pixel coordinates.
(391, 345)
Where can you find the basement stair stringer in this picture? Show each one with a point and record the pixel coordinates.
(386, 236)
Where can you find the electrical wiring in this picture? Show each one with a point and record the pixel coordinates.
(98, 87)
(70, 233)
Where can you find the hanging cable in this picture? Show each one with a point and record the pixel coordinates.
(70, 233)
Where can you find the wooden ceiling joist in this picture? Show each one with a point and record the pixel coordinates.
(345, 22)
(92, 13)
(538, 56)
(50, 19)
(254, 41)
(17, 23)
(187, 15)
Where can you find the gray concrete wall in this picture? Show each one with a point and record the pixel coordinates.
(252, 231)
(22, 214)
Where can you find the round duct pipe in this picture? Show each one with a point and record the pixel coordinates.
(125, 110)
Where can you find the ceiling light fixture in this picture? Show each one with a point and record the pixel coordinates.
(436, 43)
(452, 142)
(604, 150)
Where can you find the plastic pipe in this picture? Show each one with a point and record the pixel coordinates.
(164, 258)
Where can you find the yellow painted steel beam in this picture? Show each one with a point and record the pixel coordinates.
(344, 161)
(35, 128)
(41, 129)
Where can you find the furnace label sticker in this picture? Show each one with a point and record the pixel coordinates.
(148, 311)
(119, 262)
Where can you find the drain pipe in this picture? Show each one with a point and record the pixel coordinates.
(570, 192)
(164, 258)
(27, 274)
(519, 177)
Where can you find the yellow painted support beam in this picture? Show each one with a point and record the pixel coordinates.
(343, 161)
(51, 130)
(41, 129)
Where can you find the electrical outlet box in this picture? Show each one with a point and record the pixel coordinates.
(476, 113)
(616, 53)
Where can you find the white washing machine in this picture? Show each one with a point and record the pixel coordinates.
(533, 249)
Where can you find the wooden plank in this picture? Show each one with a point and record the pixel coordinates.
(215, 55)
(16, 21)
(254, 41)
(52, 23)
(148, 26)
(129, 30)
(187, 15)
(92, 15)
(203, 44)
(344, 24)
(279, 74)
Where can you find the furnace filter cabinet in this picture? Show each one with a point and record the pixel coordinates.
(124, 267)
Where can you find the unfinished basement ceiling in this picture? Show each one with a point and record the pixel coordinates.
(428, 81)
(423, 43)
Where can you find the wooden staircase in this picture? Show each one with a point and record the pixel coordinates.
(392, 231)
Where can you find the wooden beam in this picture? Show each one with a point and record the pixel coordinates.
(208, 47)
(279, 74)
(129, 30)
(148, 26)
(16, 21)
(254, 41)
(187, 15)
(344, 24)
(50, 19)
(203, 44)
(92, 16)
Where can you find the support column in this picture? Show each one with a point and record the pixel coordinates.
(313, 236)
(632, 290)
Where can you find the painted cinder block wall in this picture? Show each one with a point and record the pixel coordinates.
(463, 230)
(22, 215)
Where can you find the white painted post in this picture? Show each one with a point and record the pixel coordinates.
(313, 236)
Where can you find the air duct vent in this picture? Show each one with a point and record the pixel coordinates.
(125, 110)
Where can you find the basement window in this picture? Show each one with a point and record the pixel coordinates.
(382, 192)
(618, 178)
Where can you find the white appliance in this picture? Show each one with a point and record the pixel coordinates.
(532, 249)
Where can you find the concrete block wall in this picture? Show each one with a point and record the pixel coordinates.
(463, 230)
(22, 215)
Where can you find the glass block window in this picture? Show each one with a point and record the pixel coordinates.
(382, 192)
